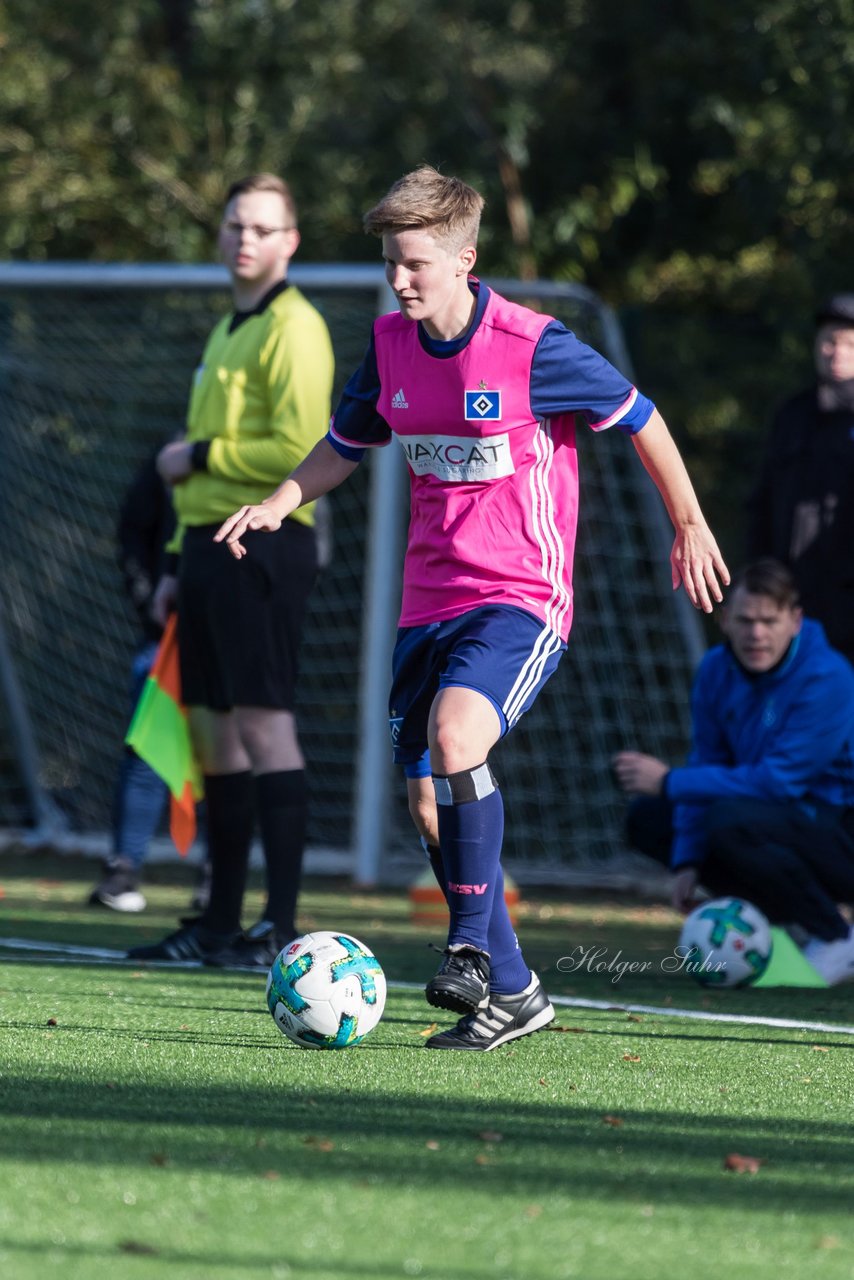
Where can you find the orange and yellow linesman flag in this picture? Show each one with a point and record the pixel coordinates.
(159, 733)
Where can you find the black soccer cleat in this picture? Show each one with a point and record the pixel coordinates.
(257, 948)
(193, 941)
(504, 1018)
(461, 983)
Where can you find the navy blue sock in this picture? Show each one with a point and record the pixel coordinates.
(471, 828)
(508, 972)
(434, 853)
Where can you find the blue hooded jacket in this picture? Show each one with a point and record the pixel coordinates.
(786, 736)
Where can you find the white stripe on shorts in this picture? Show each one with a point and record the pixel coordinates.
(547, 643)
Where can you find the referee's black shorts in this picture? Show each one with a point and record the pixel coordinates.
(240, 621)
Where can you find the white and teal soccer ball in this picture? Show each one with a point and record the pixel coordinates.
(725, 943)
(326, 990)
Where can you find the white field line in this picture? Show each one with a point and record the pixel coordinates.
(608, 1006)
(701, 1015)
(60, 948)
(67, 953)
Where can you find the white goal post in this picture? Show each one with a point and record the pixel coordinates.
(95, 362)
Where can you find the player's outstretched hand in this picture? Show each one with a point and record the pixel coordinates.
(698, 565)
(262, 518)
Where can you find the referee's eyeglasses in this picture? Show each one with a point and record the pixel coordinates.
(237, 229)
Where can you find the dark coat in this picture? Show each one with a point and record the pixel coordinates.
(802, 510)
(146, 522)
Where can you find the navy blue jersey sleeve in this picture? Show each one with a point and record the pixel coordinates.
(356, 425)
(567, 376)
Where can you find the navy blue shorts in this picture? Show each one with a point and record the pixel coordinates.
(499, 651)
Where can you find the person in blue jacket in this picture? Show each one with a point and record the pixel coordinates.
(764, 807)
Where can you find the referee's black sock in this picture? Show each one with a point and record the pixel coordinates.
(283, 814)
(230, 805)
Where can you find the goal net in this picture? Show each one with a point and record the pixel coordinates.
(94, 375)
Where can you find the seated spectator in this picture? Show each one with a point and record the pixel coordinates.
(764, 808)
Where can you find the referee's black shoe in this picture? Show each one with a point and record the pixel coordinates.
(502, 1019)
(193, 941)
(461, 983)
(257, 948)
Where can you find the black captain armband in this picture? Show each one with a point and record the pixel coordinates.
(199, 455)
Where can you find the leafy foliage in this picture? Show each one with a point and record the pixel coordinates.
(688, 158)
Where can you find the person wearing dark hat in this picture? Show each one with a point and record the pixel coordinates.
(802, 508)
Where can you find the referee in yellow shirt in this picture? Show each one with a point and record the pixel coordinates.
(260, 401)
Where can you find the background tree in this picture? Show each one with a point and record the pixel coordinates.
(688, 160)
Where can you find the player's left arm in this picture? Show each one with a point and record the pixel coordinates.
(695, 559)
(567, 376)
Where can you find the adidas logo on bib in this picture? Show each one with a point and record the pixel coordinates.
(399, 400)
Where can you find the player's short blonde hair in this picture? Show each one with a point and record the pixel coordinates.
(265, 182)
(425, 200)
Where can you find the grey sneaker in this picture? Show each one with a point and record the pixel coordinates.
(461, 983)
(119, 888)
(833, 960)
(503, 1018)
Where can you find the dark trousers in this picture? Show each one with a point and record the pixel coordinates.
(794, 862)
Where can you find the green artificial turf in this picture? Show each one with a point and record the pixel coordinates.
(154, 1122)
